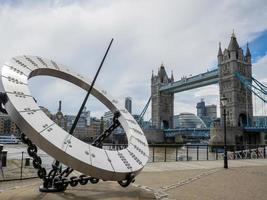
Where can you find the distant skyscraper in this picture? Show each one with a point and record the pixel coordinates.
(211, 111)
(201, 108)
(207, 113)
(128, 104)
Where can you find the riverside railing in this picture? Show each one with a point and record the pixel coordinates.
(18, 165)
(197, 152)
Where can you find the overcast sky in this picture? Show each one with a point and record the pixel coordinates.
(184, 35)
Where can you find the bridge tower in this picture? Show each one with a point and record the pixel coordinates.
(162, 102)
(239, 100)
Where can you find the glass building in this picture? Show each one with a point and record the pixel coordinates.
(188, 120)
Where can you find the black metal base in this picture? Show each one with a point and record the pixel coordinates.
(225, 161)
(51, 189)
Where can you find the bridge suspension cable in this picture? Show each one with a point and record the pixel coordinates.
(257, 89)
(144, 111)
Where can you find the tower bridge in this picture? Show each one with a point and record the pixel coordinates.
(234, 75)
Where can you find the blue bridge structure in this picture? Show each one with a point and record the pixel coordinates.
(193, 82)
(197, 133)
(204, 133)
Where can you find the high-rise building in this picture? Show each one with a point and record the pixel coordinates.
(201, 109)
(211, 111)
(208, 113)
(128, 104)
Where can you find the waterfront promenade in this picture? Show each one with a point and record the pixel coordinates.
(245, 179)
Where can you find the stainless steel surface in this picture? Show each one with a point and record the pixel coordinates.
(23, 110)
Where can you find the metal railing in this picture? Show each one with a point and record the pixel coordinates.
(171, 153)
(19, 165)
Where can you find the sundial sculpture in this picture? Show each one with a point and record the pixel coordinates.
(39, 130)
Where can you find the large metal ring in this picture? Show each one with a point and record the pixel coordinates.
(46, 134)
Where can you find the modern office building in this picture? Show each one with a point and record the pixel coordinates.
(208, 113)
(201, 108)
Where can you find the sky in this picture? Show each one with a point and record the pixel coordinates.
(183, 35)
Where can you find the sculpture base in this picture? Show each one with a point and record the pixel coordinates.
(50, 189)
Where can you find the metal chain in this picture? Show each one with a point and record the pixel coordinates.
(55, 177)
(98, 142)
(37, 161)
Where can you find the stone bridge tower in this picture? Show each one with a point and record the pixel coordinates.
(239, 99)
(162, 102)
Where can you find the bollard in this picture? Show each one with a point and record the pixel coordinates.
(153, 153)
(234, 151)
(176, 153)
(207, 152)
(197, 152)
(3, 158)
(21, 166)
(27, 162)
(187, 153)
(165, 152)
(257, 151)
(250, 152)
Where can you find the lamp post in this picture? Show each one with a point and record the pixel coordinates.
(223, 102)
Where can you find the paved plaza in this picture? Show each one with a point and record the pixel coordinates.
(245, 179)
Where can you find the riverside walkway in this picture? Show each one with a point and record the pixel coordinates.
(245, 179)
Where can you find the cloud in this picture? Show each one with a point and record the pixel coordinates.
(212, 90)
(182, 34)
(260, 68)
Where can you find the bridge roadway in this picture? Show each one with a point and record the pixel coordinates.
(200, 80)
